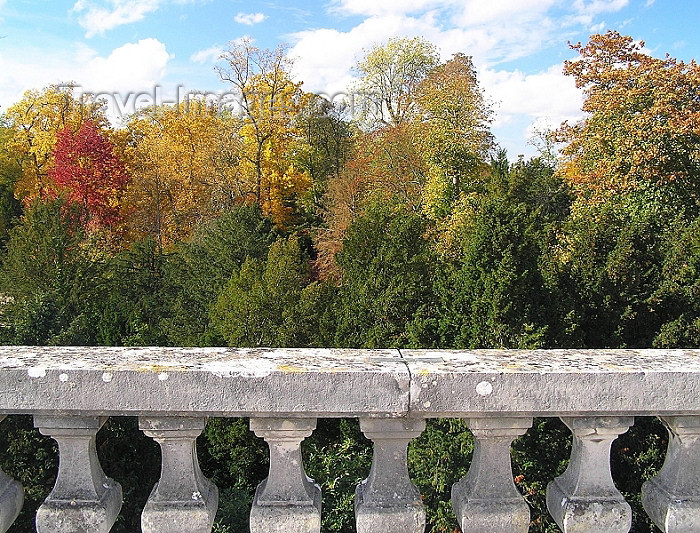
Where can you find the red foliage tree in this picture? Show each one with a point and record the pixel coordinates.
(88, 172)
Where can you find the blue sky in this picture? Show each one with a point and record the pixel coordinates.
(518, 46)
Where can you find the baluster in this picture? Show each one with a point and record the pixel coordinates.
(83, 498)
(584, 497)
(183, 500)
(287, 500)
(387, 501)
(672, 497)
(486, 499)
(11, 498)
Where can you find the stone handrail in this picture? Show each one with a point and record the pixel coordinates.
(71, 390)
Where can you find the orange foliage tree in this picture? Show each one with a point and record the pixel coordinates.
(642, 123)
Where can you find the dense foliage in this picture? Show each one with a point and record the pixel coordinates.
(289, 225)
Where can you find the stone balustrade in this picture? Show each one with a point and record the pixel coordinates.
(597, 393)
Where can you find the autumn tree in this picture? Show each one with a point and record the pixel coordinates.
(389, 77)
(10, 173)
(633, 163)
(387, 165)
(387, 156)
(642, 121)
(456, 116)
(185, 168)
(327, 140)
(90, 174)
(269, 103)
(431, 144)
(35, 122)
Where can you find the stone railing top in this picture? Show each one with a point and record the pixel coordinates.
(554, 382)
(327, 382)
(203, 381)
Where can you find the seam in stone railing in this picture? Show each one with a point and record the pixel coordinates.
(410, 382)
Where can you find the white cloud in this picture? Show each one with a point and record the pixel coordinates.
(210, 55)
(133, 66)
(598, 28)
(97, 19)
(543, 95)
(386, 7)
(249, 19)
(324, 58)
(128, 69)
(527, 103)
(596, 7)
(479, 12)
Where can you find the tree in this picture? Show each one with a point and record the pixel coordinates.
(675, 297)
(134, 305)
(199, 269)
(389, 77)
(425, 160)
(326, 145)
(606, 267)
(48, 279)
(10, 173)
(89, 173)
(257, 303)
(492, 295)
(326, 134)
(185, 170)
(633, 163)
(385, 268)
(457, 117)
(35, 122)
(269, 102)
(642, 120)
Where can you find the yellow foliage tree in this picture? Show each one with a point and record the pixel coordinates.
(35, 122)
(456, 119)
(184, 163)
(269, 104)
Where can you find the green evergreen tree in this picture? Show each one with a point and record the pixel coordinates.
(257, 302)
(386, 266)
(48, 279)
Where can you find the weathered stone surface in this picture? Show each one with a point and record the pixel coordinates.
(584, 498)
(553, 382)
(672, 498)
(183, 500)
(202, 381)
(387, 500)
(287, 500)
(83, 499)
(486, 500)
(368, 383)
(11, 499)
